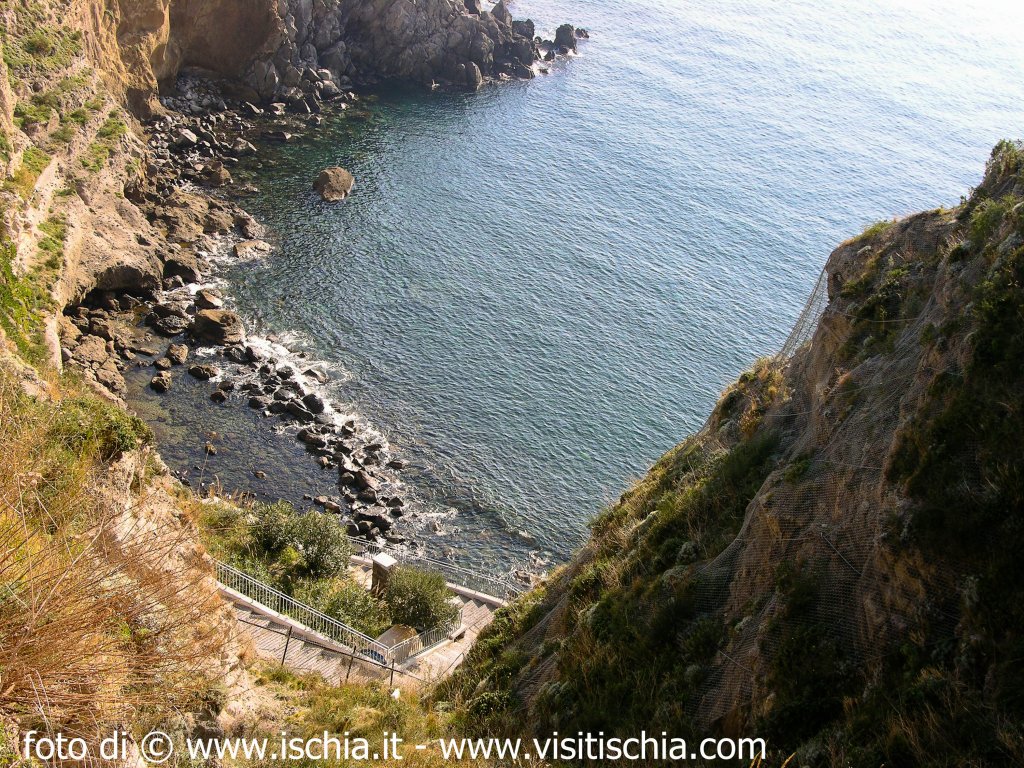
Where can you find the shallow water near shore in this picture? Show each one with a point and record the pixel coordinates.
(536, 290)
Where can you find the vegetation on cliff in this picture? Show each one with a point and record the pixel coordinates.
(832, 562)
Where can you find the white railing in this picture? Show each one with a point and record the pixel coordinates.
(501, 587)
(321, 623)
(306, 615)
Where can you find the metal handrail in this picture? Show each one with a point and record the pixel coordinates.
(319, 622)
(306, 615)
(496, 586)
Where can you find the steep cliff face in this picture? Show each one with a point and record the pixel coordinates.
(830, 563)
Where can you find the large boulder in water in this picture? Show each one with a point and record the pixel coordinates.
(218, 326)
(334, 184)
(474, 77)
(565, 38)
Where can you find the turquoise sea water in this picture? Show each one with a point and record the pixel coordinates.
(536, 290)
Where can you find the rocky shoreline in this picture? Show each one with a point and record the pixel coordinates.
(190, 196)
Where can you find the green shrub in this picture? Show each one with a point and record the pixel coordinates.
(33, 163)
(89, 424)
(317, 539)
(348, 602)
(418, 599)
(323, 542)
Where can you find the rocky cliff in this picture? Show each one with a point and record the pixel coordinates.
(831, 562)
(269, 48)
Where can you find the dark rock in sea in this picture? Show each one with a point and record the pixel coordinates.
(334, 184)
(474, 77)
(218, 396)
(162, 364)
(316, 374)
(252, 354)
(203, 372)
(227, 385)
(565, 38)
(396, 464)
(284, 395)
(582, 33)
(276, 406)
(347, 478)
(218, 326)
(474, 6)
(378, 521)
(299, 411)
(313, 402)
(281, 136)
(259, 403)
(364, 480)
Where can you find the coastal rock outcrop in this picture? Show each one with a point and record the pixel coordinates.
(300, 52)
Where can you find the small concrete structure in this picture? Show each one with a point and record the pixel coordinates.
(383, 563)
(398, 634)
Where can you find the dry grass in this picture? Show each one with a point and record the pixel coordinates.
(101, 617)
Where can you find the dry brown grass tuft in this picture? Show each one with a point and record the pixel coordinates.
(106, 612)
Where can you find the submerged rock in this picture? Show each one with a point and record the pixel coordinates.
(161, 382)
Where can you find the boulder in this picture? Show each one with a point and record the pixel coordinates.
(177, 353)
(218, 326)
(474, 7)
(184, 138)
(251, 249)
(214, 174)
(184, 265)
(209, 299)
(161, 382)
(313, 402)
(334, 184)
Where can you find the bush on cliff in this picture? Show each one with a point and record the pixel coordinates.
(418, 598)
